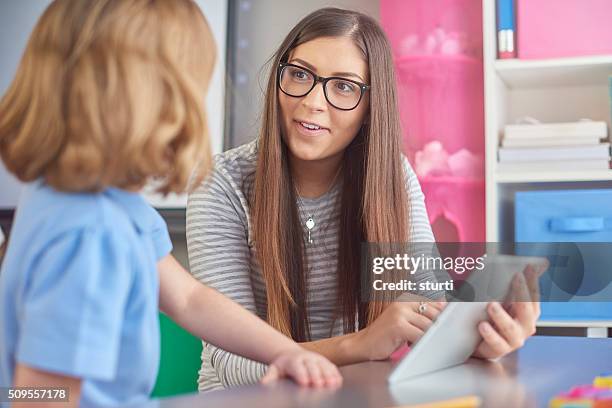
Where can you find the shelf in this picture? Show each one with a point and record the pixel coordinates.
(553, 176)
(574, 323)
(552, 90)
(562, 72)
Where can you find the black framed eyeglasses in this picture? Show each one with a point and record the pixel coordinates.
(341, 93)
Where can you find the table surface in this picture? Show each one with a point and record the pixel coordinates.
(530, 377)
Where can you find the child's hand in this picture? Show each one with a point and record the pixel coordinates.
(305, 368)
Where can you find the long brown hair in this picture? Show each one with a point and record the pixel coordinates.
(374, 201)
(111, 93)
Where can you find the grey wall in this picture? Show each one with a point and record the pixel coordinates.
(258, 27)
(17, 18)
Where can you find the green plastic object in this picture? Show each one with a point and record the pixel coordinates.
(180, 360)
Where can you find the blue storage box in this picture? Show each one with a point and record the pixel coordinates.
(570, 216)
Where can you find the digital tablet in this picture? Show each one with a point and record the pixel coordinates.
(454, 336)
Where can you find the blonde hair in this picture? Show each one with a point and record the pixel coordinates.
(111, 93)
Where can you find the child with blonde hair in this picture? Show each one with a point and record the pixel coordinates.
(110, 95)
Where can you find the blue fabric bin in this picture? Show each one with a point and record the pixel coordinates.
(566, 216)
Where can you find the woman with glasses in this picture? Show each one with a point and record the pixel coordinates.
(278, 226)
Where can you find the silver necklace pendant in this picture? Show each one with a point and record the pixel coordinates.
(310, 225)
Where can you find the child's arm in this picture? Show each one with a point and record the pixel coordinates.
(26, 376)
(209, 315)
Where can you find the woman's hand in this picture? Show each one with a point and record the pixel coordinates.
(508, 329)
(401, 322)
(305, 368)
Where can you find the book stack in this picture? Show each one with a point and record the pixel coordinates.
(580, 145)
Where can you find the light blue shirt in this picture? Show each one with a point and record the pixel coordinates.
(79, 291)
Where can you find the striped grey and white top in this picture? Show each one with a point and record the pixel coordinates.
(222, 254)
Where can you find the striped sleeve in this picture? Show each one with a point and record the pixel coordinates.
(219, 258)
(420, 228)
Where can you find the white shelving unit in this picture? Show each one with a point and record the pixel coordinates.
(559, 90)
(579, 71)
(555, 90)
(594, 328)
(554, 176)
